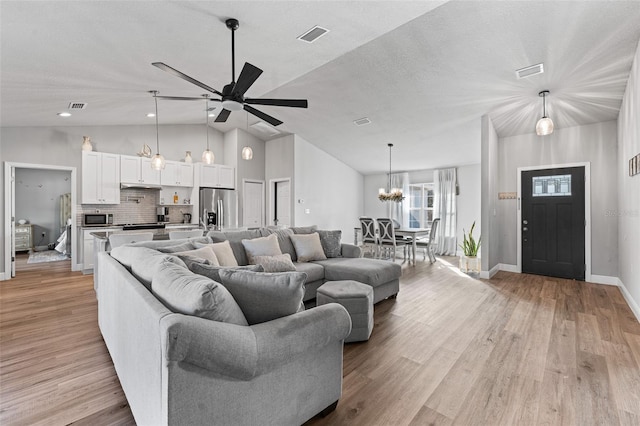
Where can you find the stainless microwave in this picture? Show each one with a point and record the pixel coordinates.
(97, 219)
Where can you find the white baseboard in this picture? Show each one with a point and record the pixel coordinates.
(508, 268)
(632, 303)
(487, 275)
(604, 279)
(2, 276)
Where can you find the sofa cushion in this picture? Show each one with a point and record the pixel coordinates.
(213, 272)
(264, 246)
(167, 244)
(330, 241)
(308, 247)
(202, 253)
(176, 248)
(187, 293)
(313, 270)
(304, 229)
(265, 296)
(235, 240)
(277, 263)
(142, 261)
(284, 240)
(369, 271)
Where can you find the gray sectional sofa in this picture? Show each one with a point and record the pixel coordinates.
(179, 366)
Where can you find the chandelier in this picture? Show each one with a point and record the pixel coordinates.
(393, 194)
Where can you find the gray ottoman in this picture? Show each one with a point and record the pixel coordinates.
(357, 298)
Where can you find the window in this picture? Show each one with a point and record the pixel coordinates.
(551, 186)
(420, 205)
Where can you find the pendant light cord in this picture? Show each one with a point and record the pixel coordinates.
(206, 125)
(390, 145)
(157, 131)
(544, 105)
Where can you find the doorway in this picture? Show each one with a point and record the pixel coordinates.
(252, 203)
(280, 211)
(42, 229)
(553, 223)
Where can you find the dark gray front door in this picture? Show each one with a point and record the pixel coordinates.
(553, 222)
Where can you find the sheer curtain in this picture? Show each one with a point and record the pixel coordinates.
(444, 207)
(400, 211)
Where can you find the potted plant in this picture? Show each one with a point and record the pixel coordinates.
(469, 261)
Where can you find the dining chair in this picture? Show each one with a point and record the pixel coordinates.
(181, 235)
(387, 238)
(117, 240)
(369, 239)
(428, 244)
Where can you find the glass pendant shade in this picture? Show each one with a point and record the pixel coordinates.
(207, 156)
(157, 162)
(544, 126)
(247, 153)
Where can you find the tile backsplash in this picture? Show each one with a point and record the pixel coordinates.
(136, 206)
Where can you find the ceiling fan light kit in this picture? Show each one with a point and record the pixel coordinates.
(207, 154)
(544, 126)
(232, 95)
(157, 162)
(394, 194)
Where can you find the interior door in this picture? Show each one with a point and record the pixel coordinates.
(253, 204)
(282, 206)
(553, 222)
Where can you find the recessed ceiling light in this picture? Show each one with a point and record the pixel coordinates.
(64, 114)
(151, 115)
(212, 114)
(313, 34)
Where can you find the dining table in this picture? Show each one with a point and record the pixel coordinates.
(414, 233)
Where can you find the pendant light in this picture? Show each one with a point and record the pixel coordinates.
(247, 151)
(157, 162)
(545, 124)
(394, 194)
(207, 155)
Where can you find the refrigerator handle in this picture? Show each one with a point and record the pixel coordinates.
(220, 214)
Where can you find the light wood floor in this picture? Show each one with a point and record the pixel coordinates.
(513, 350)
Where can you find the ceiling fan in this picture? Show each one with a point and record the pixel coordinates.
(232, 95)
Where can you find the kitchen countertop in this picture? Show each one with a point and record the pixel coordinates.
(158, 234)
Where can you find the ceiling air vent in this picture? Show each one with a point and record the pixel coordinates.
(313, 34)
(529, 71)
(77, 105)
(264, 128)
(362, 121)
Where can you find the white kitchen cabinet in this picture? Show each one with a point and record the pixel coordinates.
(177, 173)
(100, 178)
(137, 170)
(217, 176)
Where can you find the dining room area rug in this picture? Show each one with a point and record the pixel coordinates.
(46, 256)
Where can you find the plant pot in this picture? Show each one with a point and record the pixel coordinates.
(470, 264)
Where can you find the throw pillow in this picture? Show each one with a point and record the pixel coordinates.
(265, 296)
(330, 241)
(308, 247)
(213, 272)
(203, 253)
(304, 229)
(277, 263)
(187, 293)
(265, 246)
(223, 252)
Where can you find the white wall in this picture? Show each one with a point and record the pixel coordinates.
(628, 207)
(279, 164)
(328, 193)
(61, 146)
(596, 144)
(489, 195)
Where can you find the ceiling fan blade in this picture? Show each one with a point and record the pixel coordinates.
(170, 70)
(295, 103)
(179, 98)
(248, 76)
(269, 119)
(222, 117)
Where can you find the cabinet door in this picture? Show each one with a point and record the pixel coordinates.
(110, 177)
(90, 175)
(87, 250)
(168, 176)
(185, 174)
(209, 175)
(147, 174)
(226, 177)
(129, 169)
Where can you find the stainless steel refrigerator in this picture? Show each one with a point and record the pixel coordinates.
(219, 208)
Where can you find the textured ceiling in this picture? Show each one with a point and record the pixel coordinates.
(423, 72)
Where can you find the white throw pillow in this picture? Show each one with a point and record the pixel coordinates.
(277, 263)
(308, 247)
(264, 246)
(224, 253)
(204, 253)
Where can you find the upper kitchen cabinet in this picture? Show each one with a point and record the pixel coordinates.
(137, 171)
(100, 178)
(177, 173)
(217, 176)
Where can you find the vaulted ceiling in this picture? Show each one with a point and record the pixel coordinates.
(422, 72)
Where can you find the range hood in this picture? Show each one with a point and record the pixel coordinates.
(139, 185)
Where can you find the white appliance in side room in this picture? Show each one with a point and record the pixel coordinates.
(219, 208)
